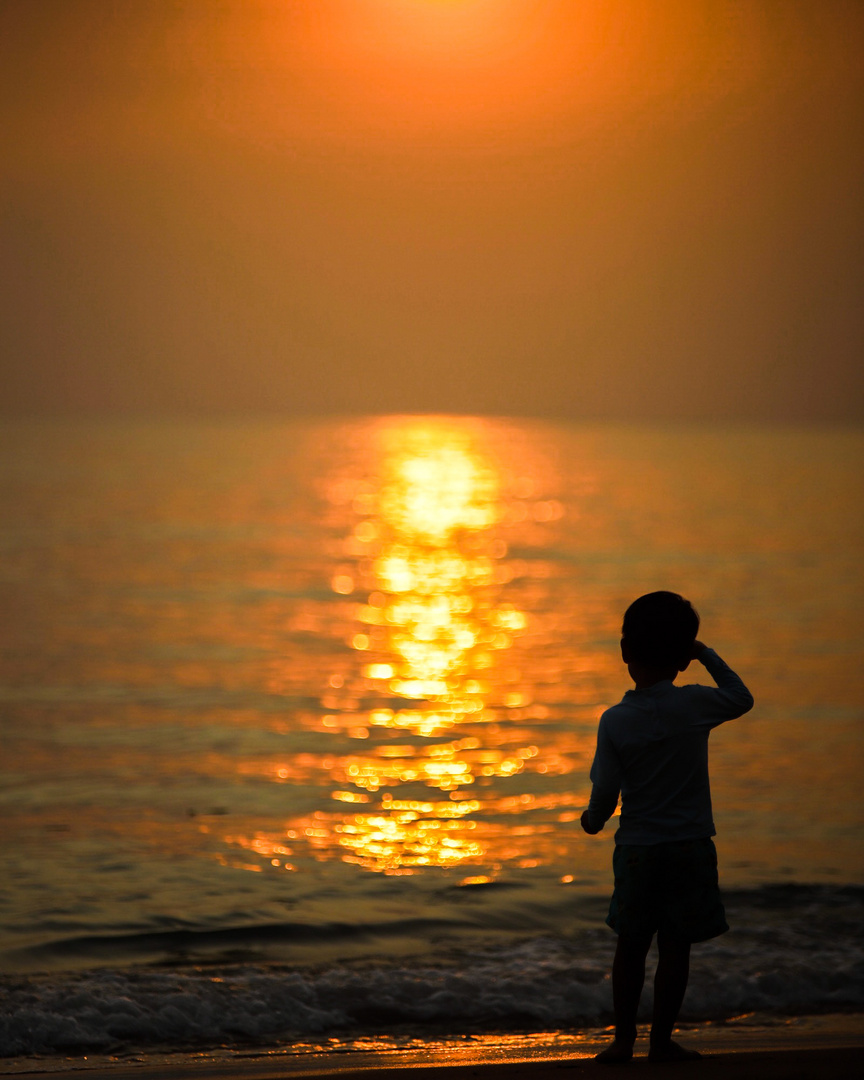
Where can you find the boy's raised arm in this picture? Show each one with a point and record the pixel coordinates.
(731, 698)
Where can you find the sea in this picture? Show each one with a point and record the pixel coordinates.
(297, 718)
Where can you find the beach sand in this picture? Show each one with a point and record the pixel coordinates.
(806, 1048)
(834, 1063)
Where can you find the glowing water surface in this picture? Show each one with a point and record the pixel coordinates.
(255, 672)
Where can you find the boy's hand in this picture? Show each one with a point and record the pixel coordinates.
(584, 821)
(698, 648)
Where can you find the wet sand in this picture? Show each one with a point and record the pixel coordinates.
(837, 1063)
(821, 1048)
(844, 1063)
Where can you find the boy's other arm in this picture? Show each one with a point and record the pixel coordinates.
(731, 698)
(606, 784)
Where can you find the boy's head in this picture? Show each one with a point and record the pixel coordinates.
(659, 631)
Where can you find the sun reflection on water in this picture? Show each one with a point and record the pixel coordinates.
(430, 613)
(434, 626)
(432, 694)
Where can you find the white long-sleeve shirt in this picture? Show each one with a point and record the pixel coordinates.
(652, 748)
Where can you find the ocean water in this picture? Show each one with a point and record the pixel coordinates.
(297, 719)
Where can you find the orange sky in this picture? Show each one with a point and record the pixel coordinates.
(605, 209)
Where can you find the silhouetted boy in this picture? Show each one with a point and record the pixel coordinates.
(653, 749)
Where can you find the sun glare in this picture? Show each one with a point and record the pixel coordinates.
(431, 718)
(433, 626)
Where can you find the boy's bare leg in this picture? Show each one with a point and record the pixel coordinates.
(628, 977)
(670, 983)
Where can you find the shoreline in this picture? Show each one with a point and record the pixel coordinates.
(829, 1047)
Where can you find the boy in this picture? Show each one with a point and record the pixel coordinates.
(653, 749)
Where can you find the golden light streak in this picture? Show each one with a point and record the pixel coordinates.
(443, 714)
(432, 622)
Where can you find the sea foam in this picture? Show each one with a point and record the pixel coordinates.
(780, 965)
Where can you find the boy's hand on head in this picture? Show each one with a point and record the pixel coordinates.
(698, 648)
(585, 822)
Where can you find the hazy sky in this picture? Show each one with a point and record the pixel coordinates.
(601, 209)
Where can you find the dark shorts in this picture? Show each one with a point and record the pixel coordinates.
(671, 888)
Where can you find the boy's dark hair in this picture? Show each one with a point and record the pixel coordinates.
(659, 629)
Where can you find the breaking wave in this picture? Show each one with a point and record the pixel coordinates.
(794, 950)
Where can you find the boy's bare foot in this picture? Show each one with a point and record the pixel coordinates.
(616, 1053)
(672, 1051)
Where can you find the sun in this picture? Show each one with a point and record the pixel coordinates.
(444, 28)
